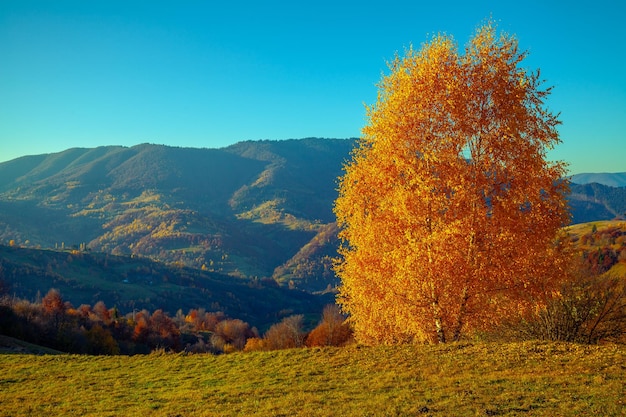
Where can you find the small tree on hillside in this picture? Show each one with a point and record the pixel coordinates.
(286, 334)
(449, 208)
(233, 332)
(54, 308)
(332, 330)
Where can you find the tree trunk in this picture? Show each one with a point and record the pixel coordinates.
(458, 327)
(441, 334)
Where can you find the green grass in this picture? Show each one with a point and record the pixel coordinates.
(530, 379)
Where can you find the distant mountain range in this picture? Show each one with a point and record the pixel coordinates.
(617, 179)
(251, 210)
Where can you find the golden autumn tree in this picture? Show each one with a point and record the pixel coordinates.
(449, 208)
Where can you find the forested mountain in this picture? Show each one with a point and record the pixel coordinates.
(590, 202)
(243, 210)
(252, 210)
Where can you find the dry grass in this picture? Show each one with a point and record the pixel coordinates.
(532, 378)
(578, 230)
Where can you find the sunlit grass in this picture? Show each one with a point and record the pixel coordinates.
(585, 228)
(533, 378)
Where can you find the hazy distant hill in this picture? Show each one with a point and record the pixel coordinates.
(617, 179)
(253, 209)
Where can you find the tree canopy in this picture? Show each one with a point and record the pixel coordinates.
(449, 207)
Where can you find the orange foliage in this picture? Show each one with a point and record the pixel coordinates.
(201, 320)
(142, 326)
(53, 303)
(156, 330)
(254, 344)
(449, 208)
(332, 330)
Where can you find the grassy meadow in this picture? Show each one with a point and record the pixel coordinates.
(467, 379)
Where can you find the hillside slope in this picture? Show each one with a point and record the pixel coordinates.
(135, 284)
(592, 202)
(242, 210)
(602, 245)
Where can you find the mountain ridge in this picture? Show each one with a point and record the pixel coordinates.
(242, 210)
(611, 179)
(250, 210)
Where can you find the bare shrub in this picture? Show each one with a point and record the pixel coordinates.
(590, 309)
(230, 335)
(286, 334)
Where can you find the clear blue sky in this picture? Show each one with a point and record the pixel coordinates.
(203, 74)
